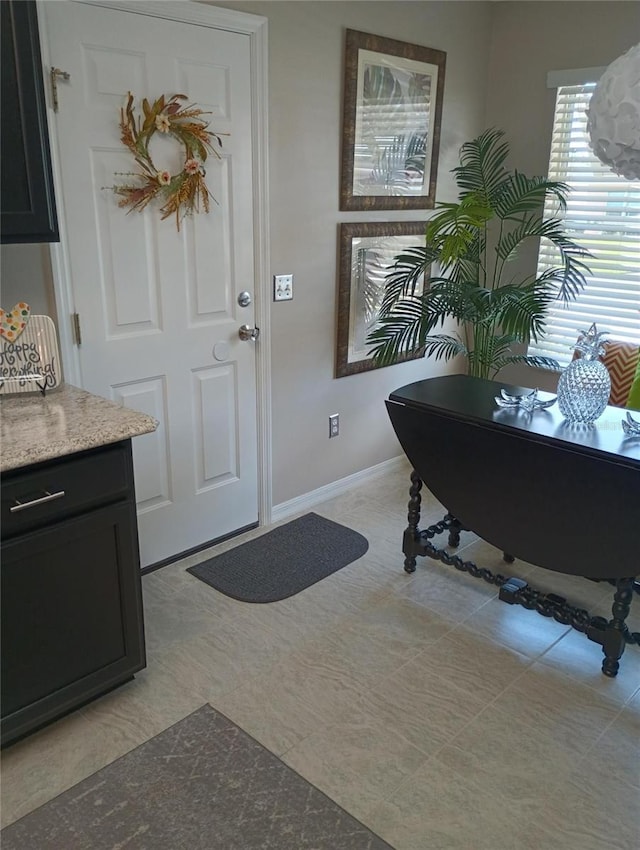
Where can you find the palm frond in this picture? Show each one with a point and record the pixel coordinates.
(444, 347)
(475, 303)
(396, 334)
(521, 310)
(571, 278)
(453, 231)
(469, 214)
(462, 300)
(481, 170)
(522, 194)
(527, 359)
(407, 274)
(487, 351)
(469, 266)
(464, 270)
(530, 227)
(410, 321)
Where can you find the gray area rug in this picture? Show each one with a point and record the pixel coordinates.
(284, 561)
(202, 784)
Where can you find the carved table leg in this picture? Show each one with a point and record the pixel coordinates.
(614, 637)
(454, 533)
(411, 534)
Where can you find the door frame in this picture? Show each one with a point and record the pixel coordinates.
(256, 28)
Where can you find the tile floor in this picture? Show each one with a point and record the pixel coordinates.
(436, 714)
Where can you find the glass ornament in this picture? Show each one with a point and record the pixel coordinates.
(585, 385)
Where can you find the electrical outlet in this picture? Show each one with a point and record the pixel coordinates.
(282, 287)
(334, 424)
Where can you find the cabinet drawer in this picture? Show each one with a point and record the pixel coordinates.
(62, 488)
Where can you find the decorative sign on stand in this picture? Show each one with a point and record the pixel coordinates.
(29, 359)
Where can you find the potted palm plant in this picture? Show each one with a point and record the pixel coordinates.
(472, 244)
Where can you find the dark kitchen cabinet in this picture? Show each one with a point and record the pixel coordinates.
(28, 211)
(72, 623)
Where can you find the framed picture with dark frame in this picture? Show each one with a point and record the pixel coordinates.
(392, 105)
(367, 253)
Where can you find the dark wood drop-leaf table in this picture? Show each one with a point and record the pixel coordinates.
(561, 496)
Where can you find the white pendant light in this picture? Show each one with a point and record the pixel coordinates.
(614, 116)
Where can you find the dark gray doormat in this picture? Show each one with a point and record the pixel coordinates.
(283, 561)
(202, 784)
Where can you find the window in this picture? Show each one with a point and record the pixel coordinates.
(602, 215)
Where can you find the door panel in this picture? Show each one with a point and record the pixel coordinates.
(151, 455)
(154, 302)
(215, 395)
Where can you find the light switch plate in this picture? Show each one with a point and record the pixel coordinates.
(282, 287)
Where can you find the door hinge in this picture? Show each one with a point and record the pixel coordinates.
(54, 73)
(77, 334)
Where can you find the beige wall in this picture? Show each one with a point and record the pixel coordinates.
(26, 276)
(306, 43)
(495, 77)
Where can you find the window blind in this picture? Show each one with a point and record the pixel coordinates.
(602, 215)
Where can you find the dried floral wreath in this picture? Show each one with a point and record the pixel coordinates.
(182, 192)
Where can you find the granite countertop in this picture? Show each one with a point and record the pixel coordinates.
(64, 421)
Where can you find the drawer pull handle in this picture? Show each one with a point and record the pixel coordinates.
(48, 497)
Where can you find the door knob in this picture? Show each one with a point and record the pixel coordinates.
(246, 332)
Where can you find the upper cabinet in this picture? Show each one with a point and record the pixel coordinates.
(28, 211)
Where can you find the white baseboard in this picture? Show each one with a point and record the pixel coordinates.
(336, 488)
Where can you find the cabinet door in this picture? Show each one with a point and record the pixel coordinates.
(71, 616)
(26, 183)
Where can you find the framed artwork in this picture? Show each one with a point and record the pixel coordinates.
(367, 253)
(391, 124)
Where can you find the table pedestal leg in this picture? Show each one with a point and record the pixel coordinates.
(411, 536)
(614, 638)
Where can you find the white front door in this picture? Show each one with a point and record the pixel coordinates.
(158, 308)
